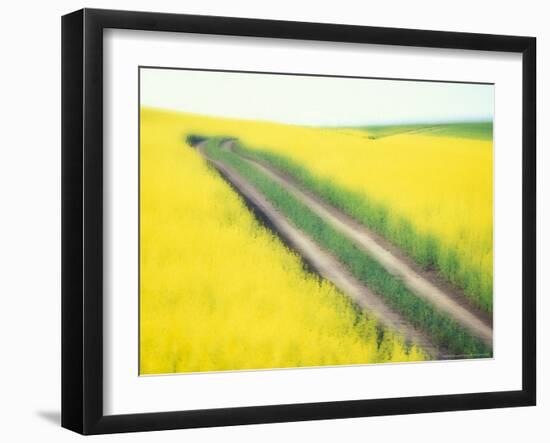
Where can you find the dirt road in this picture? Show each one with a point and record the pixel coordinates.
(324, 263)
(421, 283)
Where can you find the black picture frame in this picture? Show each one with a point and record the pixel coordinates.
(82, 220)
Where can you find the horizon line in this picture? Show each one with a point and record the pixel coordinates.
(328, 126)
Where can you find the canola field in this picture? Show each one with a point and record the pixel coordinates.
(218, 291)
(431, 194)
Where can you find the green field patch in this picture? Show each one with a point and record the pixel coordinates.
(474, 131)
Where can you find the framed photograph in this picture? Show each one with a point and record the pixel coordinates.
(269, 221)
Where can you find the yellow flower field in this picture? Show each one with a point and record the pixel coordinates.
(433, 189)
(217, 290)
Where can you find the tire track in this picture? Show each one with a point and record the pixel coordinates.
(324, 263)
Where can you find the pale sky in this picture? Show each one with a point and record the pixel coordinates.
(306, 100)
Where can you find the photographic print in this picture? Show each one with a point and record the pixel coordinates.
(293, 220)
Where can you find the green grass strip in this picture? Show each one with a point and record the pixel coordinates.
(472, 130)
(443, 330)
